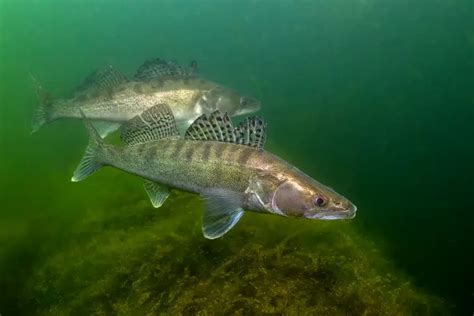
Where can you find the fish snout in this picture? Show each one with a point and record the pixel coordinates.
(333, 212)
(346, 208)
(351, 211)
(249, 104)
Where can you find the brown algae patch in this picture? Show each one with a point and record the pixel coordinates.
(133, 259)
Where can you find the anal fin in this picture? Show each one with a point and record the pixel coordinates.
(158, 193)
(219, 127)
(223, 210)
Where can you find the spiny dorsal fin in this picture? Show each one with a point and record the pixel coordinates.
(155, 123)
(158, 69)
(218, 127)
(104, 78)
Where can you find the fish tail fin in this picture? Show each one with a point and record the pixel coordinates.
(91, 161)
(42, 114)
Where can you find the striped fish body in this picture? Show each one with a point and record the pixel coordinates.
(123, 102)
(194, 166)
(224, 164)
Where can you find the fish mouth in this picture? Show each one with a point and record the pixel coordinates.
(350, 213)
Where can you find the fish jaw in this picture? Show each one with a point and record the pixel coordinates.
(334, 215)
(251, 105)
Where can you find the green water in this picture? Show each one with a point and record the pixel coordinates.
(373, 97)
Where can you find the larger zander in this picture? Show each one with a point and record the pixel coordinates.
(226, 165)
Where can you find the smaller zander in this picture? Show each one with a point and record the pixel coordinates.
(224, 164)
(109, 99)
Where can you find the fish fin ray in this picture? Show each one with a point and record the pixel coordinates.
(155, 123)
(42, 114)
(101, 79)
(223, 210)
(158, 193)
(218, 127)
(90, 162)
(105, 128)
(252, 132)
(161, 69)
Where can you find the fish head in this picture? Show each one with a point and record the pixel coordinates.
(305, 197)
(227, 101)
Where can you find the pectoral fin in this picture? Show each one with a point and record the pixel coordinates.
(223, 210)
(156, 192)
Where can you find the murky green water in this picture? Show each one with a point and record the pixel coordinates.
(374, 98)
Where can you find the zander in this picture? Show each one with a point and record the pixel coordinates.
(226, 165)
(108, 98)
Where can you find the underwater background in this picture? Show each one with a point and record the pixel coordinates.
(372, 97)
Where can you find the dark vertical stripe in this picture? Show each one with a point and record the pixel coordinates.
(141, 150)
(189, 152)
(206, 152)
(245, 155)
(230, 152)
(150, 153)
(178, 146)
(234, 151)
(167, 149)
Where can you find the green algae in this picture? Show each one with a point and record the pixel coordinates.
(125, 257)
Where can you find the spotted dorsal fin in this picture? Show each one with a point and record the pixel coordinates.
(159, 69)
(252, 132)
(218, 127)
(155, 123)
(101, 79)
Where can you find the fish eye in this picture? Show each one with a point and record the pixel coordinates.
(243, 101)
(319, 201)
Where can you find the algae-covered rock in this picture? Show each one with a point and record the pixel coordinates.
(132, 259)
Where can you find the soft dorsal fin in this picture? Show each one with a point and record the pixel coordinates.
(252, 132)
(158, 69)
(213, 127)
(104, 78)
(155, 123)
(218, 127)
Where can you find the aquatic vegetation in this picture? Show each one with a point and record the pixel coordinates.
(374, 97)
(130, 258)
